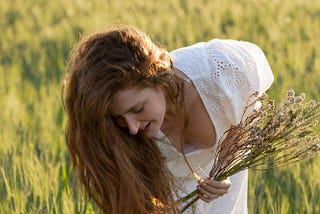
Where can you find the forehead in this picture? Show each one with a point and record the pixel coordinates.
(124, 99)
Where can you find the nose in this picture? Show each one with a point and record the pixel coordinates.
(132, 124)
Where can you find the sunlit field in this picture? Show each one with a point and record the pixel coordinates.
(36, 37)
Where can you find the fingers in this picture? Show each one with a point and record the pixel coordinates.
(211, 192)
(206, 195)
(224, 184)
(210, 189)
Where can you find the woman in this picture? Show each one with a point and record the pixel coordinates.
(140, 119)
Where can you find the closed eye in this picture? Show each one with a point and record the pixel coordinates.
(140, 109)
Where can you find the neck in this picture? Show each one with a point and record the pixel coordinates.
(175, 125)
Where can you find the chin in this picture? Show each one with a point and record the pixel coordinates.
(152, 134)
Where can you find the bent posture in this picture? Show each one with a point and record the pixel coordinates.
(137, 113)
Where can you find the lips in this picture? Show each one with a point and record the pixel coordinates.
(145, 128)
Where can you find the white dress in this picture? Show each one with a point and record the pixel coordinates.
(225, 73)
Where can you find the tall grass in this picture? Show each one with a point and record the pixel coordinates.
(36, 37)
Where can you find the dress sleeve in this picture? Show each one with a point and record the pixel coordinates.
(239, 69)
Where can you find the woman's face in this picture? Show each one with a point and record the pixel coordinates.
(139, 110)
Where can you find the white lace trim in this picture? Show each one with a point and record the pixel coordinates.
(225, 73)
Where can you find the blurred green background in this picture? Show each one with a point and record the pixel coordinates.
(37, 35)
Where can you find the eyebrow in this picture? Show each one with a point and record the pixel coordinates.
(137, 104)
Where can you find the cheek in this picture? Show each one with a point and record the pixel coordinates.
(155, 112)
(164, 105)
(161, 111)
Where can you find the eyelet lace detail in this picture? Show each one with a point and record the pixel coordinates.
(225, 73)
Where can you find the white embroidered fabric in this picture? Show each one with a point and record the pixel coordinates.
(225, 73)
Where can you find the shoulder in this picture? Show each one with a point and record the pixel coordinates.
(225, 63)
(226, 50)
(239, 60)
(241, 53)
(195, 50)
(190, 59)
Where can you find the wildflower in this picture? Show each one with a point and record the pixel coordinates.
(272, 136)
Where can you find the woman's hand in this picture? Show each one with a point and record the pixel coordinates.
(210, 189)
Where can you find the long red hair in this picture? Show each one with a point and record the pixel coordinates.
(121, 172)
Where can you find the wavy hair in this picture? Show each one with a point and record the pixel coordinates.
(121, 172)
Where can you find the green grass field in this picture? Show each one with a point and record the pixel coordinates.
(37, 35)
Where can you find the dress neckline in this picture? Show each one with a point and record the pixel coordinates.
(165, 141)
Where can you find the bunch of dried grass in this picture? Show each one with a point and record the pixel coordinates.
(272, 136)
